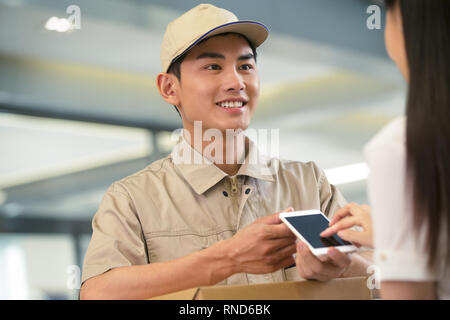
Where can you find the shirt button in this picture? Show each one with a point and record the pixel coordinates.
(247, 191)
(225, 194)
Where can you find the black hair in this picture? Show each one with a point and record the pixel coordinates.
(426, 26)
(175, 66)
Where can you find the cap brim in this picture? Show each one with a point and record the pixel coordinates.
(255, 32)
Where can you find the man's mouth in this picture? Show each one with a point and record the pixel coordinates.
(232, 104)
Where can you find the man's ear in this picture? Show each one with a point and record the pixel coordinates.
(167, 86)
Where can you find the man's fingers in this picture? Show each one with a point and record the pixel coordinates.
(309, 266)
(279, 244)
(285, 251)
(273, 218)
(307, 259)
(289, 250)
(279, 231)
(284, 257)
(339, 258)
(286, 262)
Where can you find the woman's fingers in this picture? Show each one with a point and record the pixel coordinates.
(351, 209)
(357, 237)
(347, 217)
(365, 207)
(341, 213)
(345, 223)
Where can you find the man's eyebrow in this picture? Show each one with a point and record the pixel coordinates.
(210, 55)
(247, 56)
(215, 55)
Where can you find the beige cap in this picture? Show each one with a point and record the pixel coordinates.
(203, 21)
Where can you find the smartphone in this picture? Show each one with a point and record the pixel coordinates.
(307, 225)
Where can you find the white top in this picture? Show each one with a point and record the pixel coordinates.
(397, 253)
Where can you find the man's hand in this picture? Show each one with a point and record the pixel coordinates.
(264, 246)
(331, 266)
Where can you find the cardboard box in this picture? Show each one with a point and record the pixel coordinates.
(336, 289)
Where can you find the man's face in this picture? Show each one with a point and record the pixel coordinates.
(219, 84)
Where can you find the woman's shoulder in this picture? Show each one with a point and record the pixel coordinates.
(391, 140)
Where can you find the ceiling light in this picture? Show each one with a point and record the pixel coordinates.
(346, 174)
(58, 24)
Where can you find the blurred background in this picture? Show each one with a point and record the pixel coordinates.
(79, 109)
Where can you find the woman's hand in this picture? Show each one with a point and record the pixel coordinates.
(347, 217)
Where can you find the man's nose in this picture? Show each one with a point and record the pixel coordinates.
(233, 81)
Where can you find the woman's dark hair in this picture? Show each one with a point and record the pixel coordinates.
(175, 66)
(426, 27)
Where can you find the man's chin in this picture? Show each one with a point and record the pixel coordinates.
(223, 127)
(227, 131)
(235, 127)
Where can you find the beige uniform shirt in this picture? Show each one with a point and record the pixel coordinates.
(173, 208)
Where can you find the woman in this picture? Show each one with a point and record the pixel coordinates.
(409, 160)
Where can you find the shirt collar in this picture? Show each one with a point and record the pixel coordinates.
(202, 174)
(256, 164)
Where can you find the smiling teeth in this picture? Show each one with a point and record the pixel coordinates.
(231, 104)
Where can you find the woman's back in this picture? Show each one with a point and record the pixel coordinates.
(400, 251)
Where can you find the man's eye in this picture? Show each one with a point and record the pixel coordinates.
(213, 67)
(246, 67)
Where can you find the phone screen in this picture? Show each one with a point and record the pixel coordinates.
(310, 227)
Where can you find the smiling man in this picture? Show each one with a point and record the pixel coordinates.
(181, 223)
(228, 56)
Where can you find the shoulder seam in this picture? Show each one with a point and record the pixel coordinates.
(146, 169)
(114, 189)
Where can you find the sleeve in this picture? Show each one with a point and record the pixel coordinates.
(117, 238)
(398, 248)
(331, 199)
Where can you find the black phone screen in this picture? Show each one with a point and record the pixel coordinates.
(310, 227)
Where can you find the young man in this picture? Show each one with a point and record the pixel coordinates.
(180, 223)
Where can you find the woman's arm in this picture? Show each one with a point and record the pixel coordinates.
(408, 290)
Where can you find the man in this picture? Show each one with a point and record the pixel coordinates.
(180, 223)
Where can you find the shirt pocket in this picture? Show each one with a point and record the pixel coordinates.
(166, 247)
